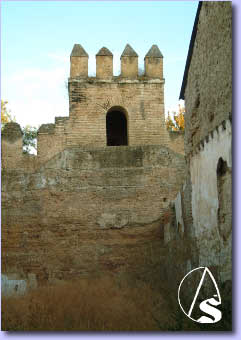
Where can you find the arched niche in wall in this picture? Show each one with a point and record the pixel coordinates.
(116, 126)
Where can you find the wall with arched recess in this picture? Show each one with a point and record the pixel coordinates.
(142, 99)
(90, 98)
(116, 126)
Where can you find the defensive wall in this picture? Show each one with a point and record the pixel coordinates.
(93, 198)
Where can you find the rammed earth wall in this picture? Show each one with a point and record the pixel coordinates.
(87, 210)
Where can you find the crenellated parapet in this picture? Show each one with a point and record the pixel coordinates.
(11, 144)
(154, 63)
(108, 110)
(129, 63)
(51, 138)
(104, 63)
(78, 62)
(219, 134)
(12, 133)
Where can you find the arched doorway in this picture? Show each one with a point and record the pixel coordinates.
(116, 127)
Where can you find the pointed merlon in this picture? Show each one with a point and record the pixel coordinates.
(129, 52)
(104, 52)
(78, 51)
(154, 52)
(11, 132)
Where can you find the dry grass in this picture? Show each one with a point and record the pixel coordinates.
(87, 305)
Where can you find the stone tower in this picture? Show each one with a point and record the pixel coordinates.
(109, 110)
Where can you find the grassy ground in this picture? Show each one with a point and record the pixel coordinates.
(86, 305)
(95, 305)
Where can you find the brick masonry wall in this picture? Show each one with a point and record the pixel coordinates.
(49, 145)
(154, 67)
(104, 66)
(91, 99)
(129, 67)
(79, 67)
(208, 94)
(141, 98)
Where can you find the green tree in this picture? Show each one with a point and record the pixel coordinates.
(29, 132)
(29, 138)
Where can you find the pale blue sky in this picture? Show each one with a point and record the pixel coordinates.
(37, 38)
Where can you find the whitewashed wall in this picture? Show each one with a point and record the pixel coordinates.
(203, 168)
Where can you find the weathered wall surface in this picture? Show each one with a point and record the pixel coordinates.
(12, 150)
(87, 210)
(208, 135)
(129, 67)
(51, 138)
(208, 93)
(90, 100)
(12, 284)
(215, 245)
(11, 145)
(205, 201)
(176, 141)
(179, 236)
(198, 226)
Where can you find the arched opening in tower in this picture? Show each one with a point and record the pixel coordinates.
(116, 128)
